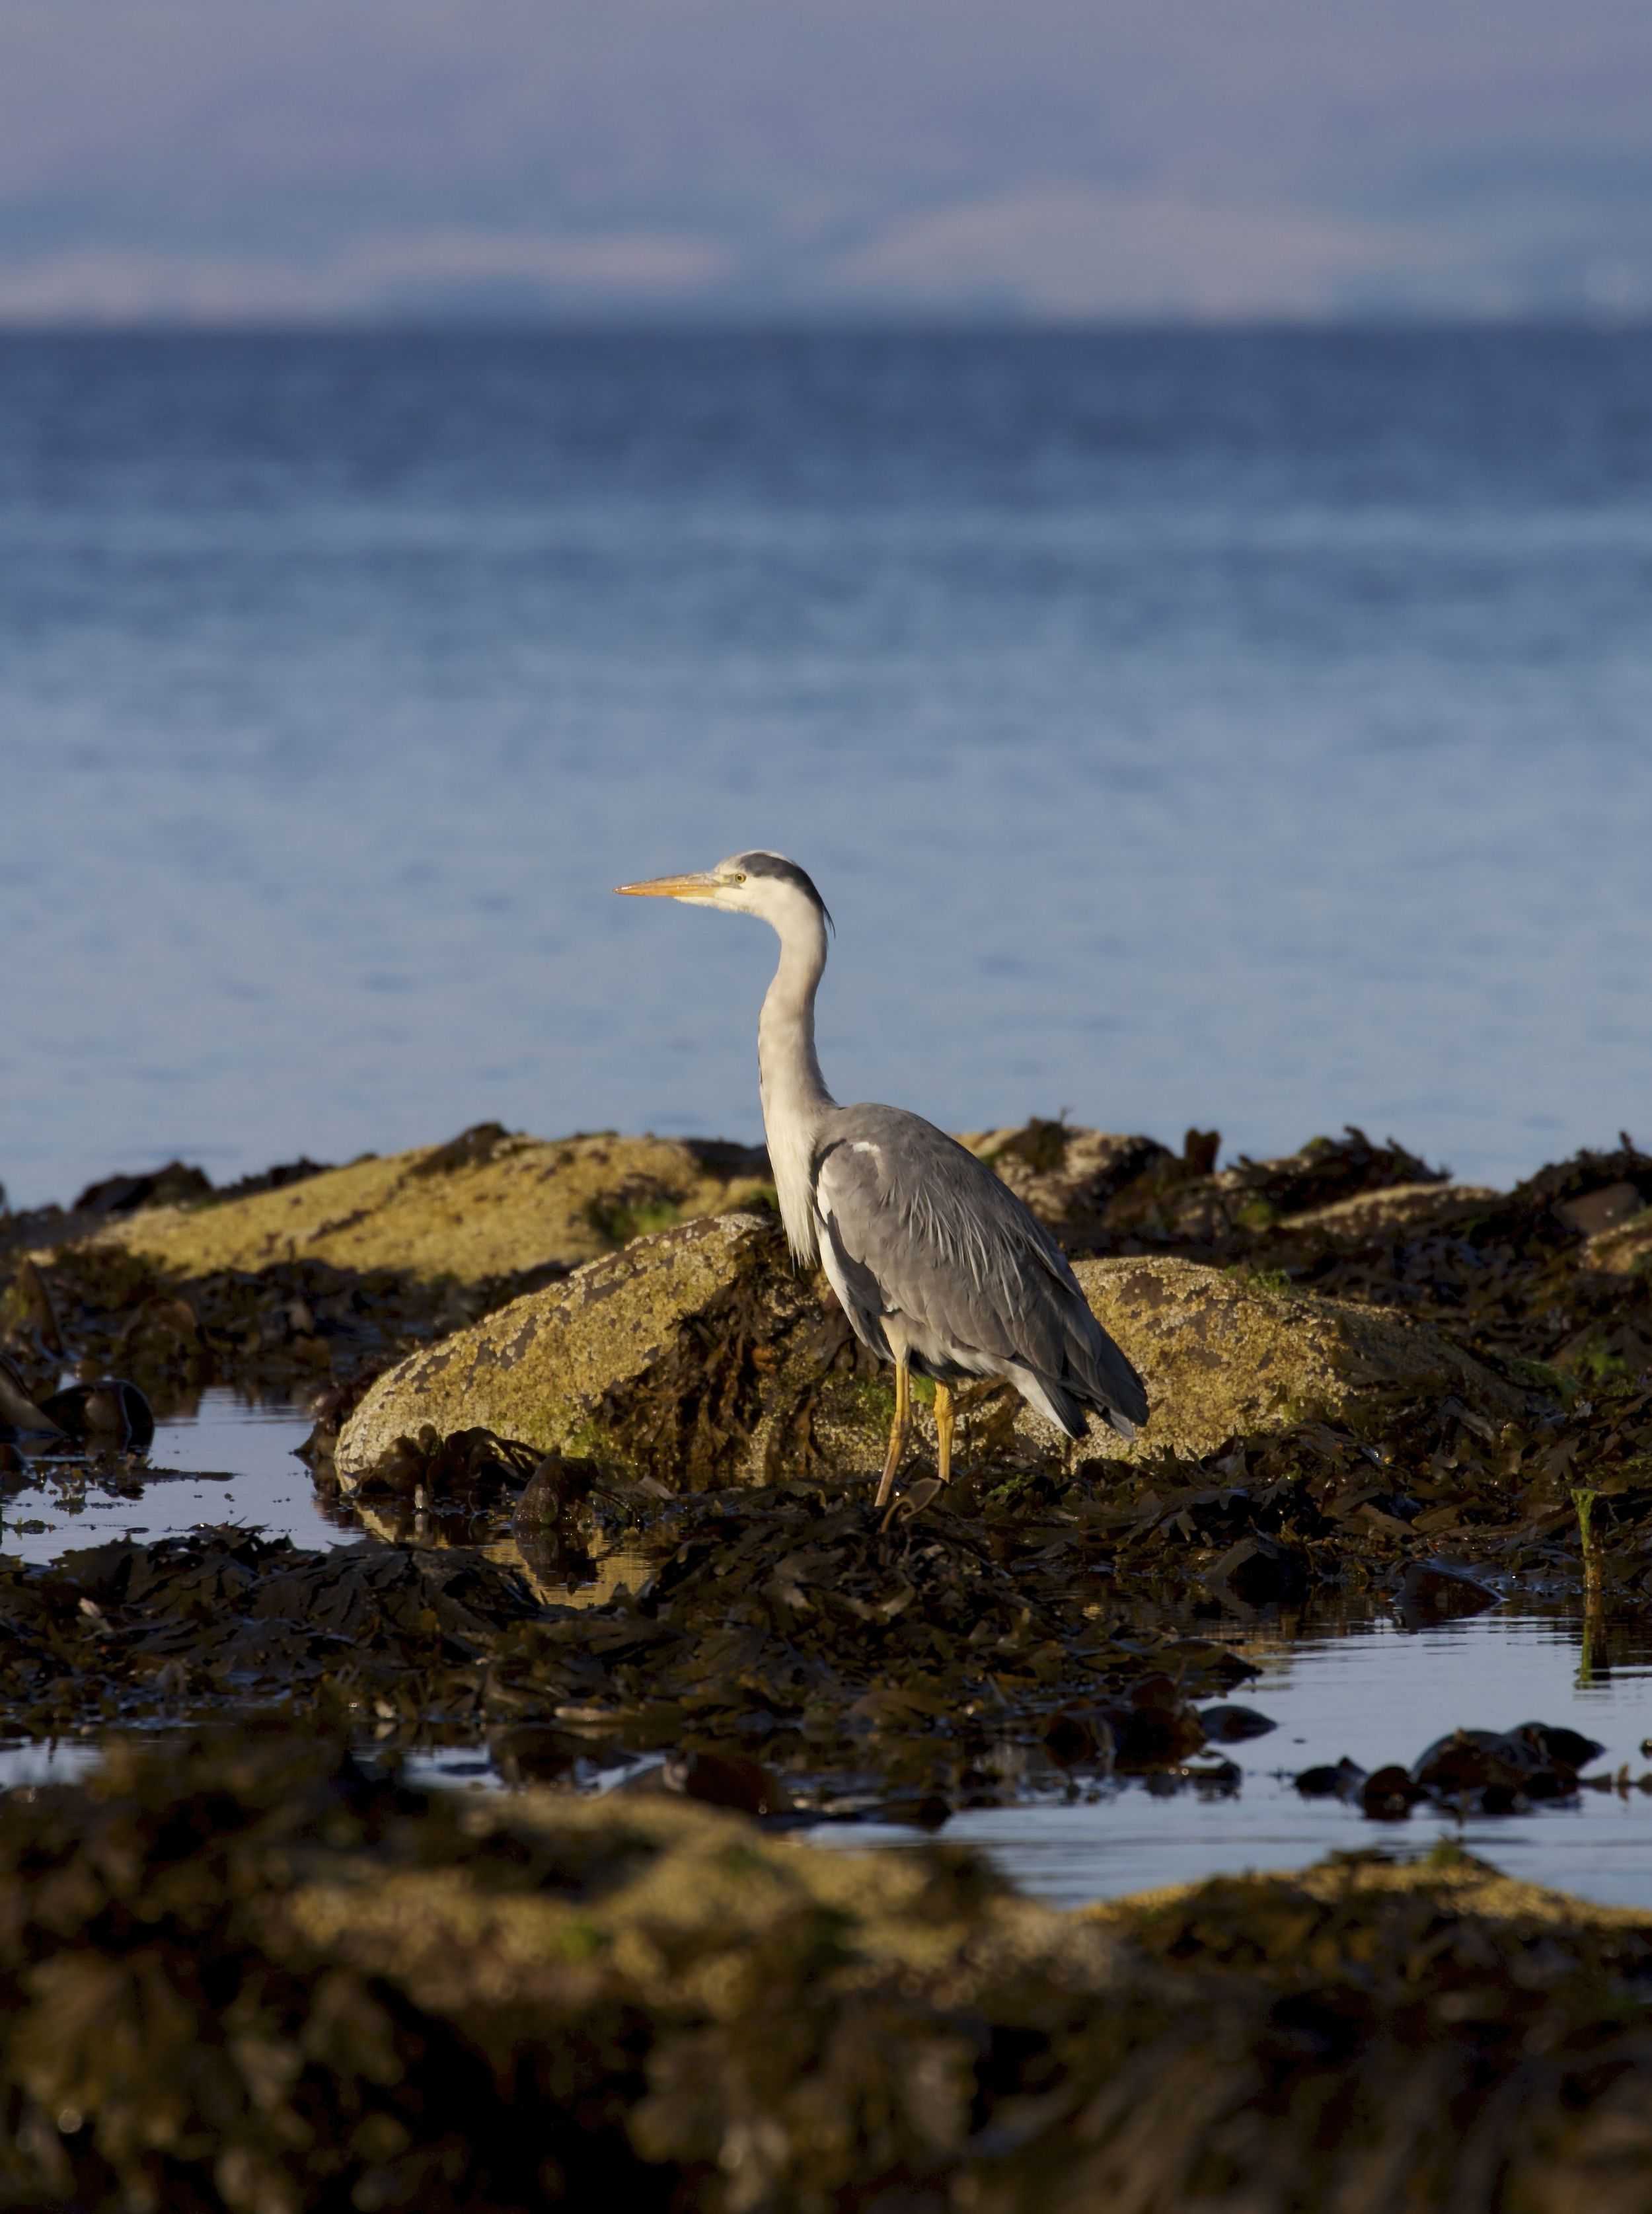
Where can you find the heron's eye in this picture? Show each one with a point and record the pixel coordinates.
(736, 878)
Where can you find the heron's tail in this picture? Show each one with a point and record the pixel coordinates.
(1107, 1382)
(1101, 1380)
(1063, 1406)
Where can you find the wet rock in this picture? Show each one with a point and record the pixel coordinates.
(1495, 1767)
(486, 1204)
(699, 1357)
(551, 1370)
(1078, 1735)
(1388, 1795)
(1437, 1591)
(1259, 1572)
(1224, 1357)
(1154, 1728)
(111, 1415)
(733, 1780)
(535, 1752)
(1228, 1725)
(1345, 1781)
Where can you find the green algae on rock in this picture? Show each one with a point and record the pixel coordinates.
(698, 1357)
(242, 1975)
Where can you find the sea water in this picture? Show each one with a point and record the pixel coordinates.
(1245, 728)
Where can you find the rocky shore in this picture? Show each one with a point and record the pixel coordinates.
(611, 1458)
(245, 1972)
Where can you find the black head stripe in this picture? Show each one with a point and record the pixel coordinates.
(776, 865)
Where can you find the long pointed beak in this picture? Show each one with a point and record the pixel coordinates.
(696, 885)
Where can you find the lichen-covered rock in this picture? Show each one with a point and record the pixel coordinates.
(562, 1369)
(486, 1204)
(697, 1356)
(1224, 1357)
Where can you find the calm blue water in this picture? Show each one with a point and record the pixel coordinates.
(1241, 728)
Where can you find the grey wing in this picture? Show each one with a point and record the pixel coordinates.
(919, 1227)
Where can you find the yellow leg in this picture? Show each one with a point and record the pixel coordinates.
(943, 1419)
(899, 1431)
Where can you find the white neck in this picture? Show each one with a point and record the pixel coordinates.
(795, 1093)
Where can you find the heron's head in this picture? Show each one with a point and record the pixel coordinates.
(760, 884)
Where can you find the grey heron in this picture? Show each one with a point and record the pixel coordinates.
(936, 1262)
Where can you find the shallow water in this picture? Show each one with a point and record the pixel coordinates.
(226, 1462)
(1378, 1694)
(1363, 1688)
(1238, 728)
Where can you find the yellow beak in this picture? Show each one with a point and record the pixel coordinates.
(696, 885)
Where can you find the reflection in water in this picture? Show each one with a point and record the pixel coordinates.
(1340, 1686)
(224, 1461)
(609, 1572)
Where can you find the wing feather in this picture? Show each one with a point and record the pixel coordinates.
(914, 1217)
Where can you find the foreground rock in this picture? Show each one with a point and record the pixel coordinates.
(245, 1975)
(699, 1357)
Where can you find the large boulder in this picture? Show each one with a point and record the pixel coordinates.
(488, 1203)
(699, 1357)
(1226, 1357)
(645, 1354)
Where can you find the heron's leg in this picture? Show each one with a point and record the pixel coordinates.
(943, 1419)
(899, 1430)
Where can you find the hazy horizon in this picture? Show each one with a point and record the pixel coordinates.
(1074, 160)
